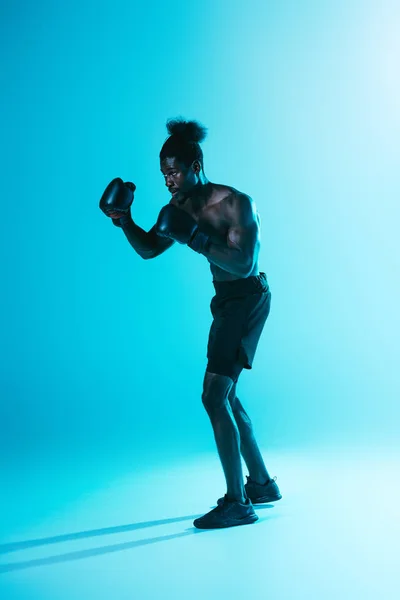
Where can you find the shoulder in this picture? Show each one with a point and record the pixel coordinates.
(242, 210)
(231, 196)
(235, 205)
(240, 203)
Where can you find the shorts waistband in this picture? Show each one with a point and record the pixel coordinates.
(255, 284)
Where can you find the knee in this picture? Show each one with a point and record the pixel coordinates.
(216, 392)
(214, 400)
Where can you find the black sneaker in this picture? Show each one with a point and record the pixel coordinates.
(227, 514)
(261, 494)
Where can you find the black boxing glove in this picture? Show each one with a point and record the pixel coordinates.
(178, 225)
(118, 198)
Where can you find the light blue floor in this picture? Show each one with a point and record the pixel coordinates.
(88, 534)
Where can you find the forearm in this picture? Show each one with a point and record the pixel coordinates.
(138, 238)
(229, 259)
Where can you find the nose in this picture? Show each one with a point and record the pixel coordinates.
(168, 181)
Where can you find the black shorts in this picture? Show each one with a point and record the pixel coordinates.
(240, 309)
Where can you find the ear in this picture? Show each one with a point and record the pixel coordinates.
(196, 166)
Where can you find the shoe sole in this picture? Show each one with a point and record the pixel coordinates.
(259, 500)
(245, 521)
(265, 499)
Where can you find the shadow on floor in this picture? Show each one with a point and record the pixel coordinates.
(77, 555)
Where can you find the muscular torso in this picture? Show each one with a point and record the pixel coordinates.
(214, 216)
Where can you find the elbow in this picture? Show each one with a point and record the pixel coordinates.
(146, 255)
(241, 272)
(246, 269)
(246, 273)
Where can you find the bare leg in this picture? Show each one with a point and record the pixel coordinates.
(248, 445)
(215, 399)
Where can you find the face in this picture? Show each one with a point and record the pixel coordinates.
(180, 179)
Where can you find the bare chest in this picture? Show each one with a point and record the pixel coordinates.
(214, 220)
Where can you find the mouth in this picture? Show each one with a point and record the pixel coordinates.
(173, 191)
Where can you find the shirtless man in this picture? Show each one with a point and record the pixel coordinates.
(223, 224)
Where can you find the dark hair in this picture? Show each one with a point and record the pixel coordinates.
(184, 141)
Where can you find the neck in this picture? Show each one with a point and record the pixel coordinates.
(201, 190)
(203, 179)
(199, 193)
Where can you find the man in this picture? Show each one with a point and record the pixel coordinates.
(221, 223)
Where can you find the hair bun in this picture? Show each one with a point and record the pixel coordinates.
(189, 131)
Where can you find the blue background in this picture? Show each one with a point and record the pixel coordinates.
(103, 354)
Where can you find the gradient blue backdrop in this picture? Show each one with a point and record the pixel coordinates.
(103, 354)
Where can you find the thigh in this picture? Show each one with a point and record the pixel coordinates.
(259, 308)
(225, 338)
